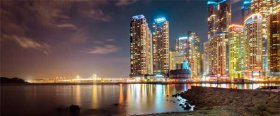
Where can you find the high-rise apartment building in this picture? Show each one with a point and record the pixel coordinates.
(193, 55)
(253, 45)
(160, 45)
(181, 45)
(264, 7)
(188, 48)
(174, 59)
(274, 40)
(219, 16)
(140, 47)
(218, 55)
(236, 51)
(205, 58)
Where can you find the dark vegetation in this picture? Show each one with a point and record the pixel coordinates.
(11, 80)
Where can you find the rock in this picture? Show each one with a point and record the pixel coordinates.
(116, 104)
(187, 107)
(60, 108)
(74, 108)
(261, 108)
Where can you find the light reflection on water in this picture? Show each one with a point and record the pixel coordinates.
(235, 86)
(114, 99)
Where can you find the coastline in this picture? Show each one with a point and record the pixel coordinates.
(229, 102)
(114, 83)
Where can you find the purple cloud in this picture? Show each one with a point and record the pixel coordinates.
(106, 49)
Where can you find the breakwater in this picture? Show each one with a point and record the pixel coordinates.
(243, 102)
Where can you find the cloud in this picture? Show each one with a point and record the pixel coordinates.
(67, 26)
(106, 49)
(51, 14)
(110, 40)
(125, 2)
(96, 14)
(80, 36)
(29, 43)
(98, 42)
(55, 19)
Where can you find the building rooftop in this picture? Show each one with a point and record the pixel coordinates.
(160, 19)
(137, 17)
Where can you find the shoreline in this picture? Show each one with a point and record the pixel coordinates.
(116, 83)
(230, 102)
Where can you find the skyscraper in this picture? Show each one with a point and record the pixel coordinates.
(140, 47)
(218, 55)
(175, 59)
(236, 51)
(193, 55)
(274, 41)
(161, 46)
(253, 45)
(181, 45)
(205, 58)
(219, 16)
(264, 7)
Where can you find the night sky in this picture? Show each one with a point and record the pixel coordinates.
(48, 39)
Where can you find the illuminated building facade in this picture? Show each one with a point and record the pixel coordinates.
(205, 58)
(264, 7)
(219, 16)
(218, 55)
(253, 45)
(219, 19)
(181, 45)
(193, 55)
(175, 59)
(160, 47)
(236, 51)
(140, 47)
(274, 41)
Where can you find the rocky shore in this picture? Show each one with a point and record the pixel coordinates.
(230, 102)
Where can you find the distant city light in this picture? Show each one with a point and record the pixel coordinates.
(78, 77)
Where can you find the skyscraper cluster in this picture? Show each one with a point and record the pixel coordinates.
(149, 52)
(250, 50)
(188, 52)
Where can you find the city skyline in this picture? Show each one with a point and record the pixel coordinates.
(78, 47)
(139, 57)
